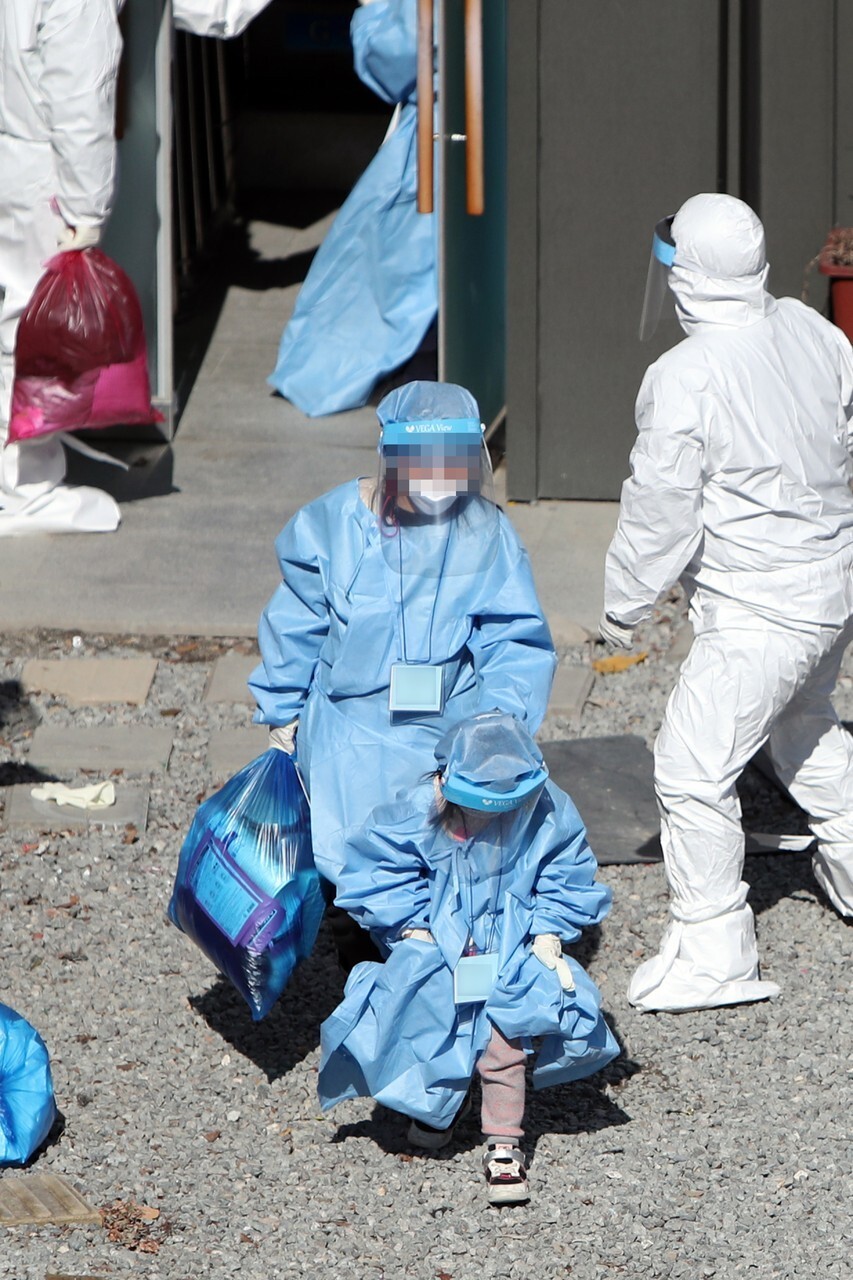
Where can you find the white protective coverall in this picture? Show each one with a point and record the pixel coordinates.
(740, 487)
(58, 68)
(224, 18)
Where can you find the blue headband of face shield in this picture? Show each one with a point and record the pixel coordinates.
(471, 795)
(663, 245)
(421, 434)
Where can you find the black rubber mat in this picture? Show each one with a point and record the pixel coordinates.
(610, 781)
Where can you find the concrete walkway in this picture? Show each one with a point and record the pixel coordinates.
(194, 554)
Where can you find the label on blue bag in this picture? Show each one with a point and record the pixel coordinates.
(246, 915)
(474, 978)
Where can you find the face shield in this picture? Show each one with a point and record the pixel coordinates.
(492, 771)
(657, 282)
(485, 847)
(435, 497)
(491, 768)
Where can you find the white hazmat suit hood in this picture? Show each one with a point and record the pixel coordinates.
(740, 488)
(719, 275)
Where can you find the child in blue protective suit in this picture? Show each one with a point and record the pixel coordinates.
(406, 604)
(473, 891)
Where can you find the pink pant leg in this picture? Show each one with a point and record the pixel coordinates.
(501, 1069)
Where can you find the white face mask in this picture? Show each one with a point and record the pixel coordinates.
(432, 504)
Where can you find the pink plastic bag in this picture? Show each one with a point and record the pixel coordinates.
(80, 358)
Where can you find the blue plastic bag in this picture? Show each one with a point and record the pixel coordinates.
(246, 890)
(27, 1106)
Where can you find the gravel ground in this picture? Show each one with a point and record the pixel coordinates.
(716, 1145)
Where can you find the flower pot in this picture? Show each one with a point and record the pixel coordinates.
(840, 295)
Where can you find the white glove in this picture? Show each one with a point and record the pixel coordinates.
(615, 633)
(547, 949)
(419, 935)
(100, 795)
(78, 238)
(284, 737)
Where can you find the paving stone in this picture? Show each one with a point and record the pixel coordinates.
(610, 781)
(570, 691)
(43, 1198)
(228, 678)
(564, 631)
(230, 749)
(63, 1275)
(86, 681)
(23, 813)
(135, 748)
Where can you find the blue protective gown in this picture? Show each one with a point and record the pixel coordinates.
(398, 1036)
(332, 630)
(371, 292)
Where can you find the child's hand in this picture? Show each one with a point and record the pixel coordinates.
(548, 950)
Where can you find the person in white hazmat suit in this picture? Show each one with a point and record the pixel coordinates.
(58, 69)
(740, 488)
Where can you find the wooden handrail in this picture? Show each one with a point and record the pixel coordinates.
(425, 107)
(474, 174)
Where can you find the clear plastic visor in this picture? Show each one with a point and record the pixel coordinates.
(657, 281)
(492, 842)
(435, 500)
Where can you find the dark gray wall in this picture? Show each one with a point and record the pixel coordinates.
(617, 113)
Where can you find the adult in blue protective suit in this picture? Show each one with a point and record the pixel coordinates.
(740, 487)
(473, 889)
(412, 593)
(371, 292)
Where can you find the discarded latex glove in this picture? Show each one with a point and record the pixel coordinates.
(78, 238)
(99, 795)
(284, 737)
(613, 632)
(419, 935)
(547, 949)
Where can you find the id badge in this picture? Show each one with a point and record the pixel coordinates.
(416, 687)
(474, 978)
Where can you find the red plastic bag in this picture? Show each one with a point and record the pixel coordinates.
(80, 357)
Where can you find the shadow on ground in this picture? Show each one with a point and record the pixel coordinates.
(291, 1030)
(18, 719)
(233, 262)
(582, 1106)
(149, 475)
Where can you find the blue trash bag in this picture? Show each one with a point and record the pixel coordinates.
(247, 891)
(27, 1106)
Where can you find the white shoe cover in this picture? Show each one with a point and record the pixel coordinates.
(834, 874)
(702, 965)
(64, 509)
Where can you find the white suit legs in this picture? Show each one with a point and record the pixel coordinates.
(32, 496)
(813, 755)
(28, 231)
(737, 685)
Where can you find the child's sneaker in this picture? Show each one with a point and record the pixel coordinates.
(506, 1174)
(423, 1135)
